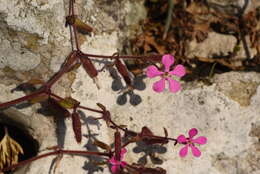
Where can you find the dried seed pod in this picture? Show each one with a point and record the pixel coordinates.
(58, 109)
(72, 57)
(89, 68)
(76, 124)
(148, 137)
(106, 114)
(123, 71)
(117, 145)
(80, 26)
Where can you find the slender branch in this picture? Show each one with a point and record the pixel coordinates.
(152, 57)
(56, 77)
(90, 109)
(152, 136)
(19, 100)
(82, 107)
(57, 152)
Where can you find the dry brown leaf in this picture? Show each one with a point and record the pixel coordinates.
(9, 151)
(197, 8)
(150, 41)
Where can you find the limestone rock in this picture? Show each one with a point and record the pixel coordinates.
(227, 112)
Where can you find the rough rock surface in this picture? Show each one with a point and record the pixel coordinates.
(34, 44)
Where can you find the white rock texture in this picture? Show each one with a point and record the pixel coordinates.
(34, 43)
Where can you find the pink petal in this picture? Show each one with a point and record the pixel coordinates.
(123, 164)
(174, 86)
(183, 152)
(122, 153)
(181, 139)
(193, 132)
(113, 161)
(179, 71)
(114, 169)
(195, 151)
(152, 71)
(159, 85)
(200, 140)
(167, 61)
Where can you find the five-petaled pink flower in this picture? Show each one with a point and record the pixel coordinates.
(189, 142)
(167, 61)
(117, 164)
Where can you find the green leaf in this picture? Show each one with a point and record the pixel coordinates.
(68, 103)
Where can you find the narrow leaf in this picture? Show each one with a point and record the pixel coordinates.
(68, 103)
(106, 114)
(36, 81)
(102, 145)
(74, 67)
(146, 131)
(58, 109)
(117, 145)
(82, 27)
(39, 98)
(76, 124)
(123, 71)
(165, 132)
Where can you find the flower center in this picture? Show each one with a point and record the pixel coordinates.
(189, 142)
(166, 74)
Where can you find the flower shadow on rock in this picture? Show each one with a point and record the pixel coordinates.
(91, 165)
(26, 88)
(117, 85)
(59, 121)
(149, 151)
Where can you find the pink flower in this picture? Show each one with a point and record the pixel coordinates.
(179, 71)
(189, 142)
(117, 164)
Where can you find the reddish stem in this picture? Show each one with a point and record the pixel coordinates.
(59, 151)
(90, 109)
(82, 107)
(152, 57)
(56, 77)
(152, 136)
(19, 100)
